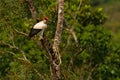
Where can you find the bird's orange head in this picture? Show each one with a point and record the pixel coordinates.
(45, 18)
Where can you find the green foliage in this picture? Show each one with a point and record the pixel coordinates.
(99, 2)
(96, 56)
(88, 16)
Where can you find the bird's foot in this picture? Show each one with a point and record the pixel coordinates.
(41, 37)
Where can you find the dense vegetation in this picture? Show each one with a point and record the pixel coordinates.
(89, 48)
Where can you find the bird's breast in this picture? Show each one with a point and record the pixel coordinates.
(40, 26)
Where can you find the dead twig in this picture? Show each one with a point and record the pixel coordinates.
(25, 34)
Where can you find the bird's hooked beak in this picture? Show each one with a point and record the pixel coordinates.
(45, 18)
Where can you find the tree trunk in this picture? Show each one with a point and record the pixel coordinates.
(52, 52)
(55, 66)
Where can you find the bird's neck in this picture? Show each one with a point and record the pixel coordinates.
(44, 21)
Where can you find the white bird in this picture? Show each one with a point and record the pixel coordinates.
(40, 26)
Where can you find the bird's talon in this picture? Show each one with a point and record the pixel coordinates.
(40, 38)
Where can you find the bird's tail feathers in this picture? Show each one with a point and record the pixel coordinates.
(28, 37)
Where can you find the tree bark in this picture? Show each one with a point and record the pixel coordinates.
(59, 24)
(55, 67)
(52, 52)
(32, 9)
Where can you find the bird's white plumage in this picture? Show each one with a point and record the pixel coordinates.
(40, 25)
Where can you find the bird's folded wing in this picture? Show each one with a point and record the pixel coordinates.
(34, 32)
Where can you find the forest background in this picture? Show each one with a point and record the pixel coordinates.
(89, 48)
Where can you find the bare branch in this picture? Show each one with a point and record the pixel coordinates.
(24, 57)
(90, 73)
(12, 37)
(76, 13)
(72, 59)
(40, 75)
(59, 28)
(47, 46)
(32, 9)
(52, 54)
(73, 34)
(55, 67)
(71, 30)
(21, 32)
(15, 47)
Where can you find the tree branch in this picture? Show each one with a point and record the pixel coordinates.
(55, 67)
(32, 9)
(71, 30)
(17, 48)
(51, 52)
(21, 32)
(40, 75)
(59, 28)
